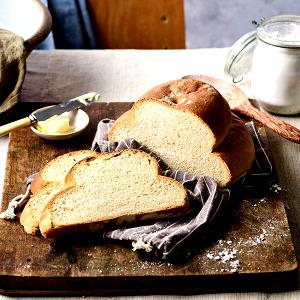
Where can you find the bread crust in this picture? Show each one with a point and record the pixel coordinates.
(28, 222)
(200, 98)
(36, 183)
(51, 230)
(237, 149)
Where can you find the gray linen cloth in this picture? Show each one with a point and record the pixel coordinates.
(169, 238)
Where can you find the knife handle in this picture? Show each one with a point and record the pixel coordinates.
(5, 129)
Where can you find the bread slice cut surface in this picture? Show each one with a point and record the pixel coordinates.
(113, 188)
(49, 181)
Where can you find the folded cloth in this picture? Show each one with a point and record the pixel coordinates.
(12, 68)
(167, 239)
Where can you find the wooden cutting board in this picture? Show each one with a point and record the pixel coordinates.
(255, 235)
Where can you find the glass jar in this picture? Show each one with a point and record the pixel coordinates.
(275, 79)
(275, 64)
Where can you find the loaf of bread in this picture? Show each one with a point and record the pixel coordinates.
(46, 184)
(189, 125)
(117, 187)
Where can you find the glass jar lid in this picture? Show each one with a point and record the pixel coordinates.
(239, 58)
(281, 31)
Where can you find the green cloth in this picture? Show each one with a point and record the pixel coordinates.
(13, 67)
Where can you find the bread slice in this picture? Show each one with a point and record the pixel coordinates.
(56, 169)
(184, 141)
(46, 184)
(117, 187)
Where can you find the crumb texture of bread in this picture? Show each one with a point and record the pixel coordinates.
(184, 141)
(30, 216)
(117, 187)
(47, 183)
(56, 169)
(200, 98)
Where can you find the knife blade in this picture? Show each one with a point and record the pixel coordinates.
(47, 113)
(66, 106)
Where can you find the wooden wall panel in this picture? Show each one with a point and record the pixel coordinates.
(138, 24)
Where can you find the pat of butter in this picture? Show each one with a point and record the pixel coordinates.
(55, 125)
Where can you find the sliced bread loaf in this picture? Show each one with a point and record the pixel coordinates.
(117, 187)
(46, 184)
(183, 132)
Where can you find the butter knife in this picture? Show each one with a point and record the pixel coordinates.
(47, 113)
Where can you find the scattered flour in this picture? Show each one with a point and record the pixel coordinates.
(225, 256)
(229, 254)
(234, 266)
(256, 240)
(275, 188)
(261, 201)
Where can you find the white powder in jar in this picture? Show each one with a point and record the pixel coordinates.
(275, 76)
(286, 32)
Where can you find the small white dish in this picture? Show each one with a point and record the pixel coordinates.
(79, 120)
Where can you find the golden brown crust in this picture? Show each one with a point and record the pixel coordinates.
(237, 149)
(28, 222)
(198, 97)
(36, 184)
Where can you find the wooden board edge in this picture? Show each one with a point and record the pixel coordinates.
(155, 285)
